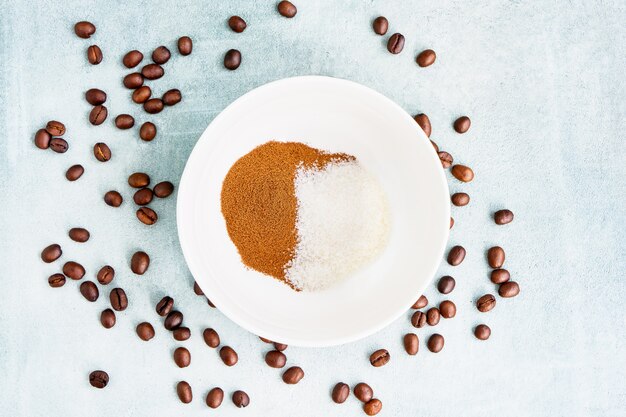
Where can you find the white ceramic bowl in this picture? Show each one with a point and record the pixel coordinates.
(339, 116)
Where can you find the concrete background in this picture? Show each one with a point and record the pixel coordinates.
(544, 84)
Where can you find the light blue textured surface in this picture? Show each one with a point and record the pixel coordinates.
(543, 82)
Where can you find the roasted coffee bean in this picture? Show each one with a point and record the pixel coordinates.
(51, 253)
(424, 122)
(418, 319)
(98, 379)
(124, 121)
(95, 96)
(433, 316)
(426, 58)
(446, 159)
(153, 105)
(380, 358)
(462, 173)
(185, 45)
(293, 375)
(74, 172)
(59, 145)
(161, 55)
(435, 146)
(145, 331)
(132, 59)
(280, 346)
(456, 255)
(42, 139)
(508, 289)
(228, 355)
(196, 289)
(420, 303)
(147, 131)
(210, 303)
(340, 393)
(495, 257)
(139, 262)
(73, 270)
(164, 306)
(395, 45)
(482, 332)
(462, 124)
(142, 94)
(183, 389)
(232, 59)
(147, 216)
(163, 189)
(152, 71)
(287, 9)
(105, 275)
(172, 97)
(89, 290)
(460, 199)
(446, 284)
(98, 115)
(451, 222)
(275, 359)
(486, 303)
(182, 357)
(56, 280)
(215, 397)
(498, 276)
(139, 180)
(134, 80)
(447, 309)
(113, 198)
(79, 234)
(381, 24)
(84, 29)
(94, 55)
(107, 318)
(173, 320)
(182, 333)
(211, 338)
(102, 152)
(501, 216)
(373, 407)
(118, 299)
(237, 24)
(240, 399)
(411, 343)
(435, 343)
(363, 392)
(143, 196)
(55, 128)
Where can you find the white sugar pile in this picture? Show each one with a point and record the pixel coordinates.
(342, 223)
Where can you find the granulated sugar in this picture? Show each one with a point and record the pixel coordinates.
(342, 224)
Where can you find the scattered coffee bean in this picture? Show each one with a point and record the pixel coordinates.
(164, 306)
(380, 358)
(173, 320)
(113, 198)
(508, 289)
(460, 199)
(420, 303)
(215, 397)
(153, 105)
(74, 172)
(372, 407)
(418, 320)
(435, 146)
(182, 333)
(84, 29)
(446, 284)
(183, 389)
(498, 276)
(145, 331)
(363, 392)
(495, 257)
(210, 303)
(102, 152)
(152, 71)
(211, 338)
(98, 115)
(95, 96)
(435, 343)
(78, 234)
(293, 375)
(51, 253)
(185, 45)
(426, 58)
(381, 24)
(132, 59)
(228, 355)
(139, 262)
(107, 318)
(424, 122)
(163, 189)
(98, 379)
(94, 55)
(451, 222)
(59, 145)
(411, 343)
(275, 359)
(139, 180)
(182, 357)
(232, 59)
(147, 216)
(456, 255)
(134, 80)
(287, 9)
(196, 289)
(462, 173)
(124, 121)
(105, 275)
(503, 216)
(56, 280)
(280, 346)
(482, 332)
(447, 309)
(395, 45)
(73, 270)
(486, 303)
(462, 124)
(446, 159)
(433, 316)
(142, 94)
(172, 97)
(89, 290)
(240, 399)
(161, 55)
(340, 393)
(237, 24)
(143, 196)
(55, 128)
(118, 299)
(42, 139)
(148, 131)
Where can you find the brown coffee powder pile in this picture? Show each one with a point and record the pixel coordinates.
(259, 202)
